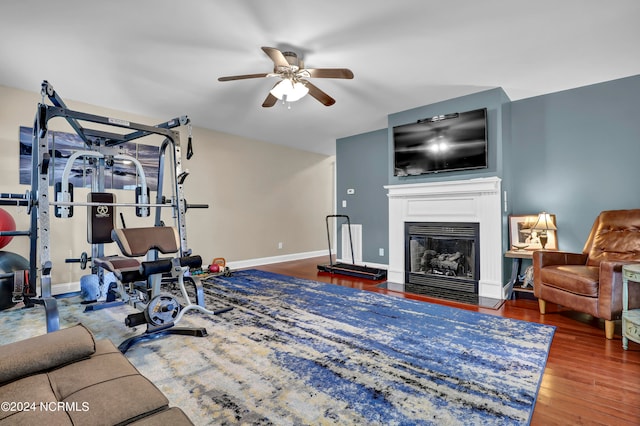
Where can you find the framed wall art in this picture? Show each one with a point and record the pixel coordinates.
(63, 144)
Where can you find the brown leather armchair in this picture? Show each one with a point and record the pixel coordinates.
(591, 281)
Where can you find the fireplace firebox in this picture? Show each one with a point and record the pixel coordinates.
(442, 256)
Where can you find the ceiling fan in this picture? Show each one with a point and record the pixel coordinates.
(293, 83)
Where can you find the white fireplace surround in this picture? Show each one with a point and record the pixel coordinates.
(470, 200)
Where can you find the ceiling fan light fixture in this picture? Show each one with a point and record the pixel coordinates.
(293, 84)
(289, 90)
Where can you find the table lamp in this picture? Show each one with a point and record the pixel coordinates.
(544, 224)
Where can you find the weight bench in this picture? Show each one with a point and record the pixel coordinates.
(162, 311)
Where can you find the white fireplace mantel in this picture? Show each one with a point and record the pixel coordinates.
(470, 200)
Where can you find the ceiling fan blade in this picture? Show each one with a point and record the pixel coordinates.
(329, 73)
(242, 77)
(276, 56)
(269, 101)
(319, 94)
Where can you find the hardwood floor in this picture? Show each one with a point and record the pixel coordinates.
(589, 380)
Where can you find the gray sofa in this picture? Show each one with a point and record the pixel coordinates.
(68, 378)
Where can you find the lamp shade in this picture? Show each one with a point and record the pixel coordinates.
(289, 91)
(544, 223)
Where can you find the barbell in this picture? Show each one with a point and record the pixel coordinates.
(82, 260)
(96, 204)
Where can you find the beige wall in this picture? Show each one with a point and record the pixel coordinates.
(259, 194)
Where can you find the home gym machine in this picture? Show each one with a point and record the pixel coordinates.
(103, 148)
(350, 269)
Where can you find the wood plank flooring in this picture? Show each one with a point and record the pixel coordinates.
(589, 380)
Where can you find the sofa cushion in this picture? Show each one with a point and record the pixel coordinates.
(577, 279)
(111, 402)
(99, 368)
(40, 353)
(30, 395)
(100, 387)
(116, 401)
(103, 389)
(104, 381)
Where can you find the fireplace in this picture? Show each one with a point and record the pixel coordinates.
(476, 201)
(442, 255)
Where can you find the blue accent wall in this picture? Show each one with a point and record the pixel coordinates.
(572, 153)
(362, 163)
(576, 153)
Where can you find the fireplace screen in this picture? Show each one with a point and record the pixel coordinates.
(443, 255)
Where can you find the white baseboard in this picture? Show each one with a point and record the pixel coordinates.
(62, 288)
(250, 263)
(72, 287)
(65, 288)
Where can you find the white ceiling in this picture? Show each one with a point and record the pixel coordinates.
(162, 58)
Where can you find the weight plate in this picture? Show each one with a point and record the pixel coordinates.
(162, 310)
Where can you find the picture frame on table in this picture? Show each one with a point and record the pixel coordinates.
(521, 237)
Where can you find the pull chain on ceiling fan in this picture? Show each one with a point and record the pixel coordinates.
(293, 84)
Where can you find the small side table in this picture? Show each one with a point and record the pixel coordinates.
(630, 317)
(516, 266)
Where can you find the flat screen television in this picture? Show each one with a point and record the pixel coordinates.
(456, 141)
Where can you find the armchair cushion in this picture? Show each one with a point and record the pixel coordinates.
(614, 236)
(576, 279)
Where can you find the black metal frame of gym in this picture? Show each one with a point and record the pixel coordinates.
(38, 200)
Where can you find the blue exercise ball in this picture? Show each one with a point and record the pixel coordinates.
(9, 263)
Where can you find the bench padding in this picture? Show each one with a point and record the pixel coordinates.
(135, 242)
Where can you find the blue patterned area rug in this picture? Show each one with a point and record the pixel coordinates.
(300, 352)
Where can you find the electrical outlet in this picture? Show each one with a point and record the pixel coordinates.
(344, 203)
(279, 246)
(381, 251)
